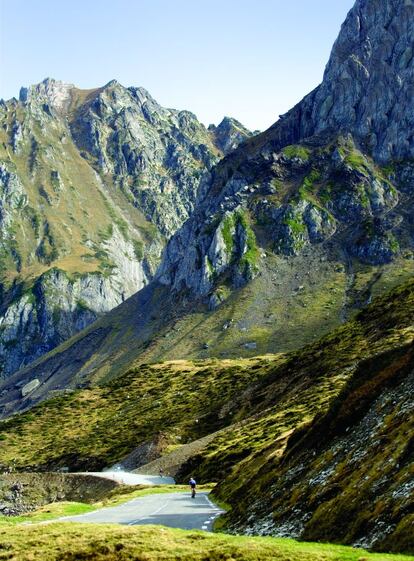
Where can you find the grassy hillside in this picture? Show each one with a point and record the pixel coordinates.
(67, 212)
(277, 414)
(67, 542)
(260, 399)
(305, 383)
(345, 477)
(92, 428)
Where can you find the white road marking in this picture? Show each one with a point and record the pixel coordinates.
(148, 515)
(209, 502)
(211, 511)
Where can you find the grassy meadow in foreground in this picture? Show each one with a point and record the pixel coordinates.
(70, 542)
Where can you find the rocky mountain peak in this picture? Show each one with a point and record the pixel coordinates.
(367, 89)
(369, 80)
(229, 134)
(54, 93)
(112, 84)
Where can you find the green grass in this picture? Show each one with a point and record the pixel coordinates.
(251, 255)
(295, 224)
(309, 184)
(352, 156)
(47, 512)
(69, 542)
(297, 151)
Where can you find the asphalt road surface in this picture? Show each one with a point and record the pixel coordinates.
(127, 478)
(177, 510)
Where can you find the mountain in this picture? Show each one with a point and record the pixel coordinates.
(271, 351)
(229, 134)
(285, 241)
(92, 183)
(315, 444)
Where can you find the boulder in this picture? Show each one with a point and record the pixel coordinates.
(30, 387)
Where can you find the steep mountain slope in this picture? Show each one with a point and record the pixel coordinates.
(345, 477)
(91, 184)
(366, 89)
(229, 134)
(348, 398)
(286, 240)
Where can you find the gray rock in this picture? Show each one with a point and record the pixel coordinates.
(30, 387)
(58, 306)
(367, 85)
(229, 134)
(145, 161)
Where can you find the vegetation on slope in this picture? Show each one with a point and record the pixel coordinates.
(186, 400)
(347, 475)
(68, 542)
(259, 403)
(93, 428)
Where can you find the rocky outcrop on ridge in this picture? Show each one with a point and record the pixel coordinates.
(92, 182)
(367, 86)
(229, 134)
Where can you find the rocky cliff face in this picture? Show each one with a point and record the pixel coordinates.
(229, 134)
(59, 304)
(337, 167)
(284, 203)
(91, 184)
(156, 155)
(367, 88)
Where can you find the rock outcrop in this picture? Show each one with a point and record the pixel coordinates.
(91, 184)
(155, 155)
(284, 203)
(229, 134)
(367, 89)
(59, 305)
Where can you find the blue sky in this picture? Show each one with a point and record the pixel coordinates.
(250, 59)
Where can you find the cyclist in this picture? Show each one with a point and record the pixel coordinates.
(193, 484)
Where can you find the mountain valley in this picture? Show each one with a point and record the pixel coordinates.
(212, 302)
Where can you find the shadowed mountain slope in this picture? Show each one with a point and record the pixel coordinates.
(286, 241)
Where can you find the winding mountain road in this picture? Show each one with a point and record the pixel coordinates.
(128, 478)
(177, 510)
